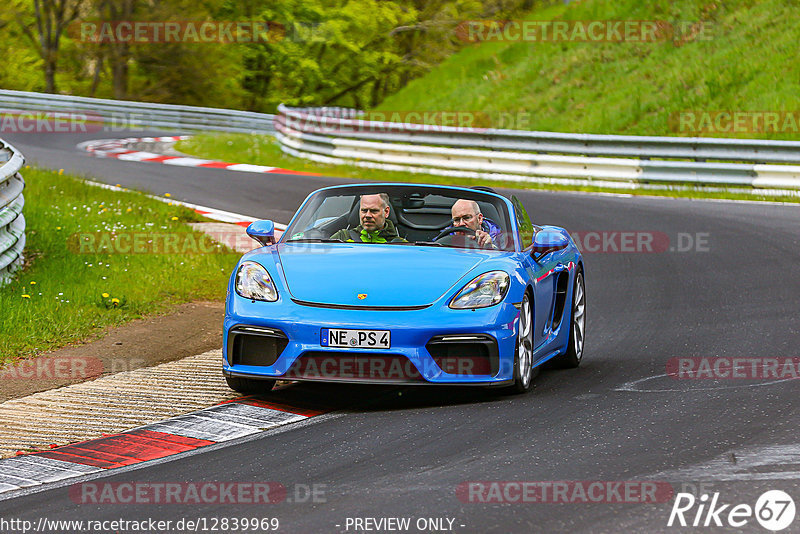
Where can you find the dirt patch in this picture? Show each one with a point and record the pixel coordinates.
(191, 329)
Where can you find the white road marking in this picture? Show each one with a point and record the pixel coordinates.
(186, 162)
(199, 427)
(774, 462)
(137, 156)
(249, 168)
(633, 385)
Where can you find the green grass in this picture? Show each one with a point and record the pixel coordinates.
(749, 62)
(265, 150)
(65, 282)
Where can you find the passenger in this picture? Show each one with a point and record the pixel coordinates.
(375, 225)
(467, 213)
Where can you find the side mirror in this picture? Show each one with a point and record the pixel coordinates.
(262, 231)
(547, 241)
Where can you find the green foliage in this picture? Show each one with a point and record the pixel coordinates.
(22, 65)
(323, 52)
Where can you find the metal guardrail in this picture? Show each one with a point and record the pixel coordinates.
(121, 115)
(337, 135)
(341, 138)
(12, 222)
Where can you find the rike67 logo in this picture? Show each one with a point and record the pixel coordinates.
(774, 510)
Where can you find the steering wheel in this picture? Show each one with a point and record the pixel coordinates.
(454, 230)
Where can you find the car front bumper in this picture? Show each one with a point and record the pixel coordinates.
(434, 345)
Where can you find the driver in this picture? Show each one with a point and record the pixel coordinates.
(375, 226)
(467, 213)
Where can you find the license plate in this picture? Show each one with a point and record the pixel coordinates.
(357, 339)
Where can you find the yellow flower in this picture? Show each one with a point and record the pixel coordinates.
(58, 228)
(129, 210)
(33, 283)
(167, 195)
(60, 172)
(26, 296)
(119, 185)
(105, 295)
(114, 301)
(174, 218)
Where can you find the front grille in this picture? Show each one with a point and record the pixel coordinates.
(465, 354)
(367, 366)
(252, 345)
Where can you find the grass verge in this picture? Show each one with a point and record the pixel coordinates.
(729, 57)
(89, 264)
(265, 150)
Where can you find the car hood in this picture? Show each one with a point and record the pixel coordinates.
(382, 275)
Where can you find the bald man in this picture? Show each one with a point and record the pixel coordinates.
(375, 226)
(467, 213)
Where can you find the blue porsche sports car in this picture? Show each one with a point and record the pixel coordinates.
(404, 283)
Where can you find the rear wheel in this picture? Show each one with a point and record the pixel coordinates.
(577, 328)
(523, 357)
(249, 385)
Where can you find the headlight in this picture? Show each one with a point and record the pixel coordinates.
(253, 282)
(485, 290)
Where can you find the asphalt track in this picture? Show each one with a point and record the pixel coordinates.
(403, 452)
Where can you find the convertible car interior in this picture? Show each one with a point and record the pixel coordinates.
(419, 216)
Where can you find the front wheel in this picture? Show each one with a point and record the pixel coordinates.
(523, 357)
(577, 328)
(249, 385)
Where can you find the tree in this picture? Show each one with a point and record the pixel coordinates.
(51, 18)
(117, 52)
(330, 54)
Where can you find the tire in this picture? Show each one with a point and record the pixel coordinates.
(249, 385)
(577, 326)
(523, 354)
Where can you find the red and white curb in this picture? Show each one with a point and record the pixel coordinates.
(223, 422)
(120, 149)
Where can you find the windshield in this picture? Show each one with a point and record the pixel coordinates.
(404, 215)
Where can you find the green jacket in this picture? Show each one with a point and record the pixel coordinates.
(387, 234)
